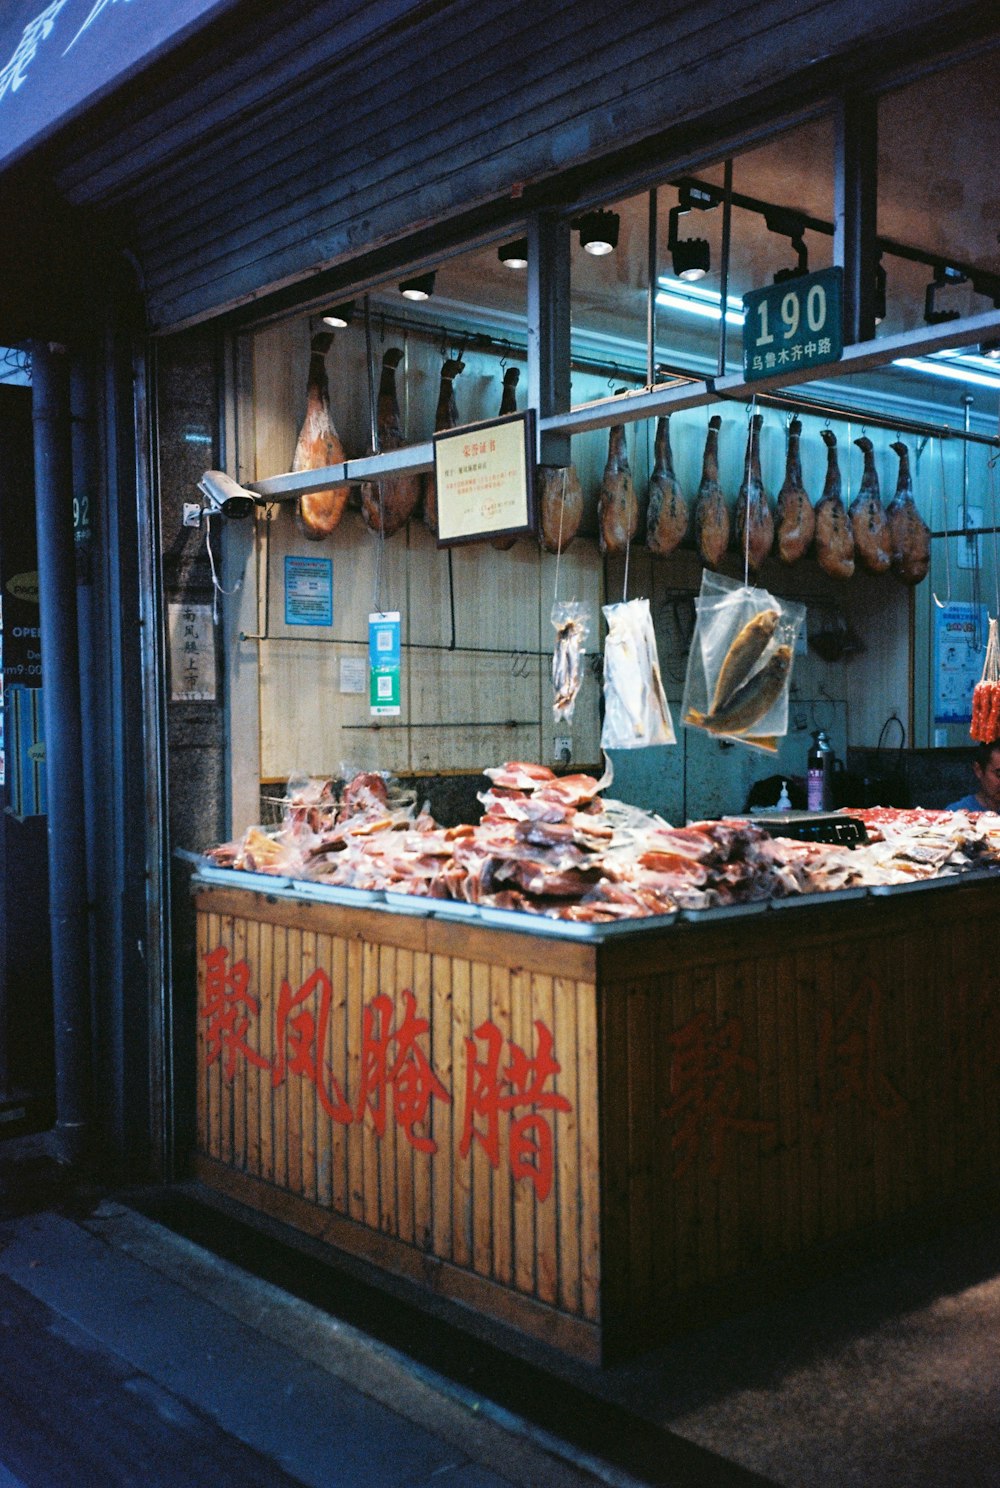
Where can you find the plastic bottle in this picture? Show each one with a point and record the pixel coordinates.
(818, 773)
(784, 800)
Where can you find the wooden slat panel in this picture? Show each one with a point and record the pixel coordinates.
(522, 1033)
(339, 1065)
(445, 1116)
(225, 1086)
(570, 1177)
(203, 1074)
(324, 1057)
(506, 989)
(370, 1207)
(355, 1139)
(546, 1209)
(462, 1027)
(307, 1103)
(481, 1169)
(239, 1088)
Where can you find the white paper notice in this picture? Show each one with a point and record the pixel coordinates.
(353, 674)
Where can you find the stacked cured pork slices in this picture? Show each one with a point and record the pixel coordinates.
(550, 845)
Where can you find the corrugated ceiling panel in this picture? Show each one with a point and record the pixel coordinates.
(331, 137)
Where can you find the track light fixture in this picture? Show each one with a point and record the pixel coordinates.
(880, 291)
(691, 257)
(420, 287)
(944, 274)
(990, 349)
(339, 315)
(598, 232)
(789, 225)
(514, 255)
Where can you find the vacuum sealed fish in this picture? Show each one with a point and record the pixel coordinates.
(740, 663)
(572, 623)
(636, 712)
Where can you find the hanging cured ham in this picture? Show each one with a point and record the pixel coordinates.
(796, 518)
(617, 507)
(834, 538)
(387, 505)
(911, 538)
(446, 417)
(508, 404)
(754, 522)
(667, 511)
(560, 506)
(318, 446)
(711, 514)
(869, 523)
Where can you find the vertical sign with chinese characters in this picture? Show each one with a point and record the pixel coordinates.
(192, 653)
(797, 323)
(384, 662)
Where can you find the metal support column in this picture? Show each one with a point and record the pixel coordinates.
(856, 212)
(549, 329)
(67, 846)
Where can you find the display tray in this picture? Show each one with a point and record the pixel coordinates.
(831, 896)
(288, 888)
(726, 911)
(946, 880)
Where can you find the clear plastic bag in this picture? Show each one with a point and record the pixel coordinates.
(740, 663)
(985, 725)
(572, 625)
(636, 713)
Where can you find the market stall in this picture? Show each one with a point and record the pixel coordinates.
(595, 1133)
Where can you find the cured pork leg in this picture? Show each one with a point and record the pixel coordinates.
(446, 417)
(834, 538)
(508, 404)
(617, 507)
(711, 514)
(910, 535)
(560, 506)
(754, 522)
(869, 523)
(796, 518)
(389, 504)
(318, 445)
(667, 512)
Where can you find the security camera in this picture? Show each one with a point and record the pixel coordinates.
(225, 496)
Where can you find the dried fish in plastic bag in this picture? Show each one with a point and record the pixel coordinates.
(740, 663)
(636, 712)
(572, 622)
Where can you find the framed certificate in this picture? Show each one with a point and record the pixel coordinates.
(485, 479)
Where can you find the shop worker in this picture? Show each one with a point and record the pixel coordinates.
(986, 768)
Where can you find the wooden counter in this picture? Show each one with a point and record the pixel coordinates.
(598, 1141)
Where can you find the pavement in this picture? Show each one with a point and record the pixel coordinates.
(150, 1338)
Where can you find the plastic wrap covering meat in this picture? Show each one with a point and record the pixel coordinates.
(636, 712)
(985, 725)
(572, 626)
(740, 662)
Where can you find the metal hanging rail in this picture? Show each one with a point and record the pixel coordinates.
(798, 403)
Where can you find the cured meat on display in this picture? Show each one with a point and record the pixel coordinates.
(910, 535)
(445, 417)
(550, 845)
(617, 507)
(869, 523)
(560, 505)
(743, 655)
(752, 701)
(711, 514)
(834, 538)
(318, 445)
(796, 518)
(754, 522)
(570, 621)
(667, 512)
(387, 505)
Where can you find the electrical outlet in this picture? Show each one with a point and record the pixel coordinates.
(562, 748)
(192, 514)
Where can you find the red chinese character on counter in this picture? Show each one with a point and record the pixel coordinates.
(520, 1085)
(227, 1010)
(300, 1031)
(850, 1059)
(705, 1069)
(393, 1060)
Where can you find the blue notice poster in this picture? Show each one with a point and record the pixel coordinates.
(959, 652)
(308, 591)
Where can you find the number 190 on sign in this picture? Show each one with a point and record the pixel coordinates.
(793, 324)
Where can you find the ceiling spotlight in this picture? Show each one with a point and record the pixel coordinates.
(598, 232)
(880, 291)
(944, 275)
(990, 349)
(514, 255)
(420, 287)
(339, 315)
(691, 257)
(792, 226)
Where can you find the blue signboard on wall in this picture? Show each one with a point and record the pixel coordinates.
(57, 57)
